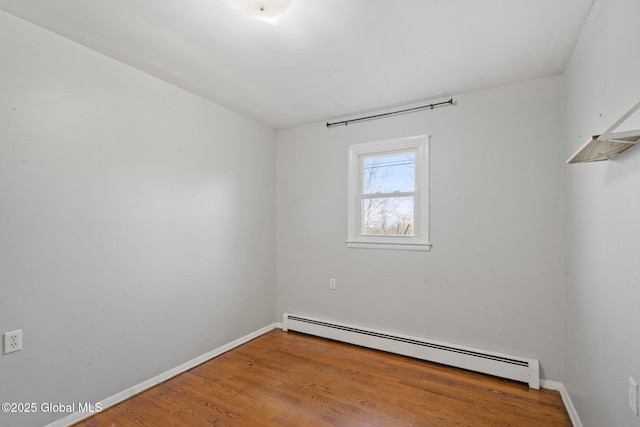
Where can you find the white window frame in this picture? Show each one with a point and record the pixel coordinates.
(357, 152)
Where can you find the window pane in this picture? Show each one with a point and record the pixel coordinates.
(387, 216)
(389, 174)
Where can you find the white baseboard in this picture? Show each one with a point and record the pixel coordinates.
(550, 385)
(566, 399)
(124, 395)
(502, 365)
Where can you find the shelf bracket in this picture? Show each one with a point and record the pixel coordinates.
(609, 144)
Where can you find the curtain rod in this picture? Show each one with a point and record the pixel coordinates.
(392, 113)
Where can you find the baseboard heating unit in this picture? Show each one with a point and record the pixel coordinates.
(500, 365)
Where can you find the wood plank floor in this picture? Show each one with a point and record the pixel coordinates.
(290, 379)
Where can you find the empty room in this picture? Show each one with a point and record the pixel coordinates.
(319, 213)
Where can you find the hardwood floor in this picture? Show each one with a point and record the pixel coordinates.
(290, 379)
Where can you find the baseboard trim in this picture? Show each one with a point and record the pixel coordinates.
(566, 399)
(138, 388)
(548, 384)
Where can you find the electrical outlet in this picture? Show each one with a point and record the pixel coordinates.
(633, 395)
(332, 284)
(12, 341)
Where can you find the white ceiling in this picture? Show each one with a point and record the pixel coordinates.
(327, 58)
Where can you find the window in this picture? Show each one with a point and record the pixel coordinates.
(389, 194)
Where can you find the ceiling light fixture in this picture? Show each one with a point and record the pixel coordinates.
(265, 10)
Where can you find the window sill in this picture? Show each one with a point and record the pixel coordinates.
(424, 247)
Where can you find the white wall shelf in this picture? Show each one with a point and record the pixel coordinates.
(609, 144)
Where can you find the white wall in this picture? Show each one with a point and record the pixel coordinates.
(136, 223)
(493, 279)
(602, 208)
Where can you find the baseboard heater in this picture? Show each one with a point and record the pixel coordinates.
(486, 362)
